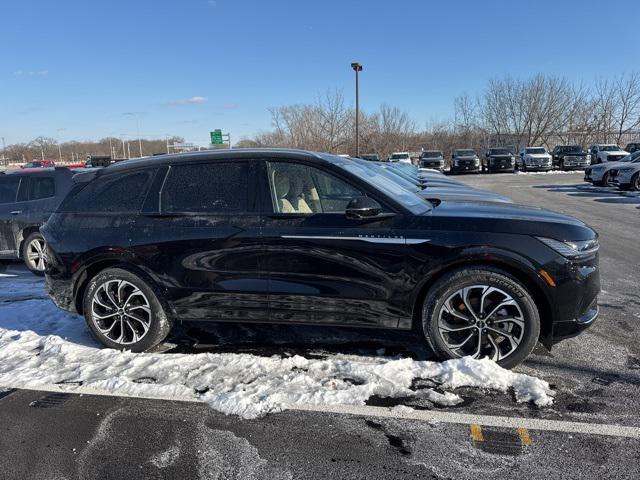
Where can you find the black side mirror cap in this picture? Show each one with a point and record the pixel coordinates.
(363, 207)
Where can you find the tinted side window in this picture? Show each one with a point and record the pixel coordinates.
(44, 187)
(8, 188)
(206, 188)
(112, 193)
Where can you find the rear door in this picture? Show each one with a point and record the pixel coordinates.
(201, 236)
(323, 267)
(41, 199)
(10, 210)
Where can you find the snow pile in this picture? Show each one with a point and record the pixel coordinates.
(241, 384)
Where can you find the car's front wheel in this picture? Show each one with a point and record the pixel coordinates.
(481, 312)
(606, 180)
(124, 311)
(635, 182)
(33, 250)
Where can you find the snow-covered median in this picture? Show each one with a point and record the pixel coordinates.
(41, 345)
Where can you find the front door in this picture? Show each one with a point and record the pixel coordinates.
(201, 231)
(323, 267)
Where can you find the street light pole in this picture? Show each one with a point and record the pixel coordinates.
(357, 68)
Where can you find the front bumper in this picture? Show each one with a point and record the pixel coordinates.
(576, 162)
(574, 299)
(434, 165)
(465, 168)
(571, 328)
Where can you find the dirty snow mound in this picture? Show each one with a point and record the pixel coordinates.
(244, 384)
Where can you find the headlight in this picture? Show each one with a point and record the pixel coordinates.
(455, 163)
(513, 160)
(588, 157)
(572, 249)
(477, 161)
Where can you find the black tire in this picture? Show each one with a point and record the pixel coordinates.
(33, 253)
(606, 180)
(453, 282)
(159, 324)
(635, 182)
(561, 166)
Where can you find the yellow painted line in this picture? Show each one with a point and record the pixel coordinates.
(476, 433)
(523, 433)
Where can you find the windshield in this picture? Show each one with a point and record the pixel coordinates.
(573, 148)
(609, 148)
(634, 157)
(464, 153)
(431, 154)
(499, 151)
(392, 175)
(411, 201)
(536, 150)
(399, 156)
(33, 165)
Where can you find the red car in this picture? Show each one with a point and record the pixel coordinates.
(39, 164)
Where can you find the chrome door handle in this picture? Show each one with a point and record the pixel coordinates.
(16, 212)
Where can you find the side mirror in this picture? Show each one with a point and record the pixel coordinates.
(363, 207)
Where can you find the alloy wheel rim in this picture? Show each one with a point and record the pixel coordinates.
(35, 254)
(121, 312)
(481, 321)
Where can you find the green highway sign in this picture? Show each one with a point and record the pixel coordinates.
(216, 137)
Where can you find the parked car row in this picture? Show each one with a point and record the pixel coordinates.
(290, 236)
(504, 159)
(625, 174)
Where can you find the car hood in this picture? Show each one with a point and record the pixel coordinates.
(607, 166)
(483, 216)
(615, 154)
(537, 155)
(466, 157)
(462, 195)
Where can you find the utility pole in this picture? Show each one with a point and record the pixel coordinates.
(139, 139)
(124, 152)
(4, 151)
(357, 68)
(111, 152)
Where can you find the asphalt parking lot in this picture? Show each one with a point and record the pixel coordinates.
(592, 429)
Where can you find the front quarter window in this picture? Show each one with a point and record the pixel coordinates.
(303, 189)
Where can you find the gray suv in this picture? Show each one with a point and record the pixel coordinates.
(27, 199)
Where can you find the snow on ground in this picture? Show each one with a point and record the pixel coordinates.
(40, 344)
(550, 172)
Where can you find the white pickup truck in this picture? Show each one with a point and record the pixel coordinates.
(534, 158)
(402, 157)
(606, 152)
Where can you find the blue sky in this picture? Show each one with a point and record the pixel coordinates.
(79, 69)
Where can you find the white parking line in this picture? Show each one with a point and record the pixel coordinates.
(382, 412)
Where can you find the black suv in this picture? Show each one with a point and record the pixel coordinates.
(567, 157)
(26, 201)
(287, 236)
(499, 159)
(432, 159)
(632, 147)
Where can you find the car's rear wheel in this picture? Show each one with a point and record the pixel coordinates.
(124, 311)
(481, 312)
(33, 250)
(635, 182)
